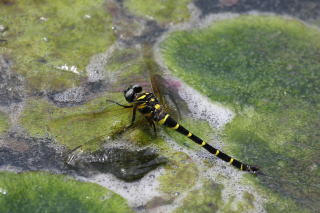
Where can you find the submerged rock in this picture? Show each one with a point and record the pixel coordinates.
(128, 165)
(29, 153)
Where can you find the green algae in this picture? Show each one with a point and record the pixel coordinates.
(45, 35)
(209, 198)
(275, 202)
(180, 174)
(73, 126)
(206, 199)
(236, 59)
(41, 192)
(3, 123)
(266, 69)
(162, 11)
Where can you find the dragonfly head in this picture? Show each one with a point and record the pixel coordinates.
(131, 92)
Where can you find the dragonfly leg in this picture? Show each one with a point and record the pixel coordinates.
(154, 128)
(133, 116)
(124, 106)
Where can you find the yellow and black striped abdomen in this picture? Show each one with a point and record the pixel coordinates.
(168, 121)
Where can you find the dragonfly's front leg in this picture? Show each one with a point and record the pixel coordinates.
(124, 106)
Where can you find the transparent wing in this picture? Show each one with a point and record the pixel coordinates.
(166, 89)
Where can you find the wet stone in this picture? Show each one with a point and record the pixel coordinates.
(303, 9)
(27, 153)
(128, 165)
(11, 84)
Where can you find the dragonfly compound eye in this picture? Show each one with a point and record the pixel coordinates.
(137, 88)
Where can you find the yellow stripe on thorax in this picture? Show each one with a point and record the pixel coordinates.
(217, 153)
(141, 97)
(164, 119)
(157, 106)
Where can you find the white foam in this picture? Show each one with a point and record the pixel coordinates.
(96, 70)
(137, 193)
(203, 108)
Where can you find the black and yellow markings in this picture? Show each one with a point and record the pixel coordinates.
(150, 107)
(231, 160)
(217, 152)
(163, 120)
(141, 97)
(175, 127)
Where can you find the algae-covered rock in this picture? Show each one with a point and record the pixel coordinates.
(206, 199)
(209, 199)
(162, 11)
(3, 122)
(51, 42)
(29, 153)
(41, 192)
(266, 69)
(74, 126)
(250, 59)
(180, 175)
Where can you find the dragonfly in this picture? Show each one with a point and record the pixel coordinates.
(149, 105)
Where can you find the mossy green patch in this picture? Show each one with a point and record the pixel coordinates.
(206, 199)
(236, 60)
(181, 174)
(267, 69)
(209, 199)
(162, 11)
(41, 192)
(3, 123)
(45, 35)
(73, 126)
